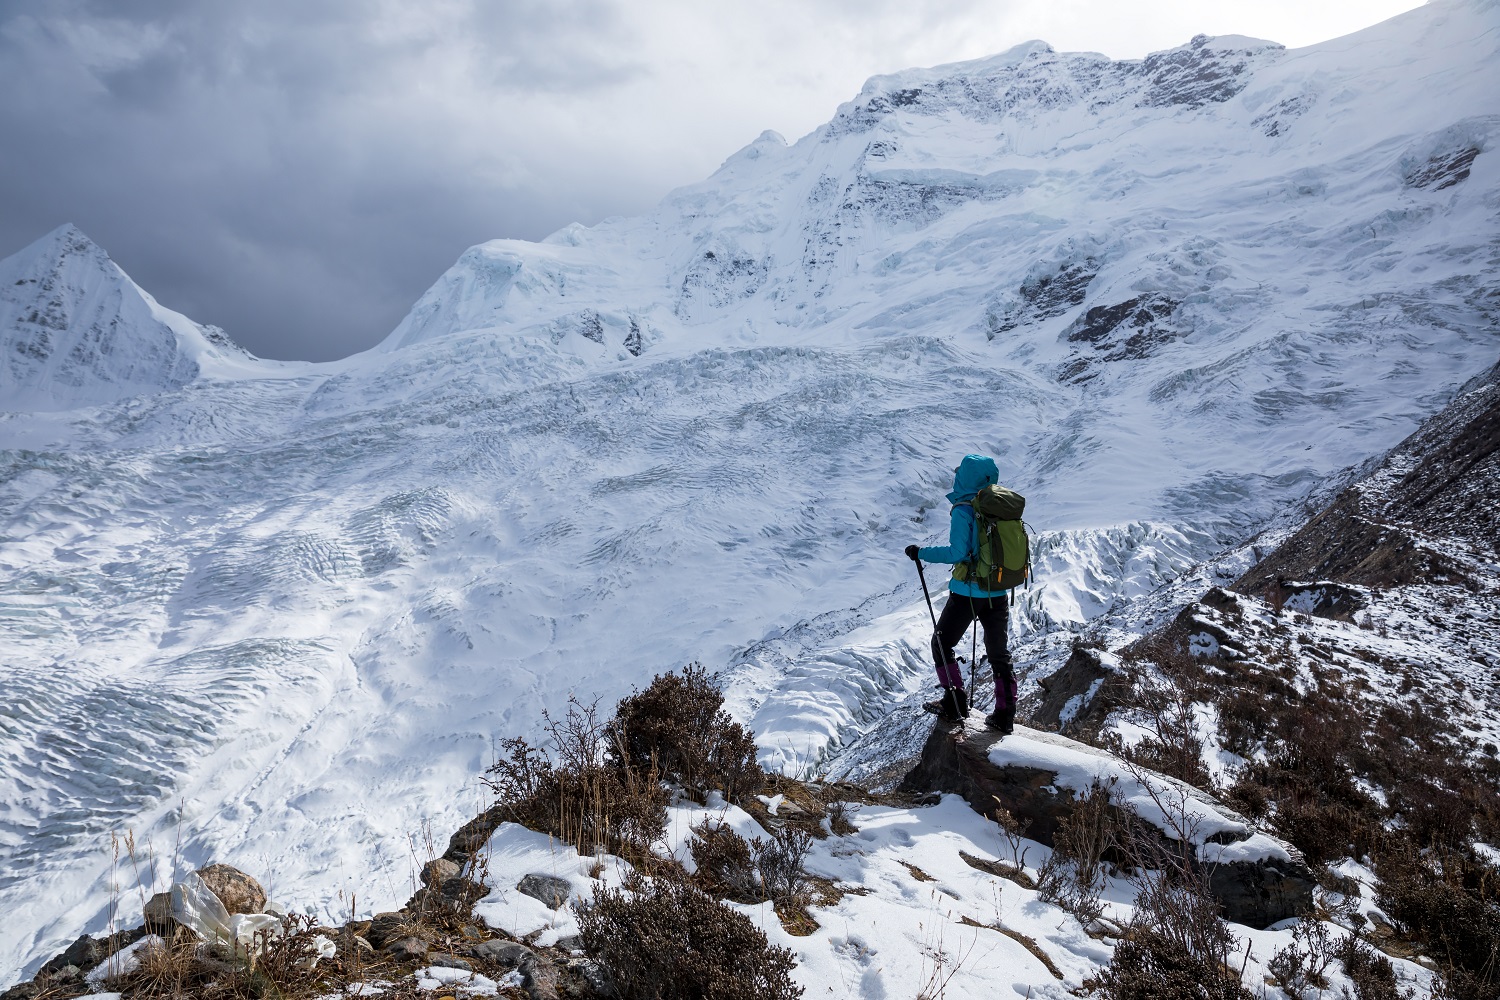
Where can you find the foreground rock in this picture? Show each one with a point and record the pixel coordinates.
(1039, 777)
(237, 891)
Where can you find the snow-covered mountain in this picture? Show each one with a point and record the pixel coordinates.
(275, 614)
(75, 331)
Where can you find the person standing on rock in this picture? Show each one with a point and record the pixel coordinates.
(968, 602)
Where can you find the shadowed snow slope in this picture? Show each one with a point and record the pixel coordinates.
(278, 613)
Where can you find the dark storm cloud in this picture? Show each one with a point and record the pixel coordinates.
(297, 173)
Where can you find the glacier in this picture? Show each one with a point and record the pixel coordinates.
(277, 614)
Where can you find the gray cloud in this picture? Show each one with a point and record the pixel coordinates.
(295, 173)
(298, 171)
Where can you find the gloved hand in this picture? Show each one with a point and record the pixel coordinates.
(911, 553)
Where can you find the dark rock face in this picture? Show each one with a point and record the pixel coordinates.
(586, 323)
(720, 276)
(1130, 329)
(957, 759)
(1081, 690)
(1262, 893)
(551, 890)
(1279, 118)
(1196, 74)
(1443, 170)
(1043, 296)
(1191, 76)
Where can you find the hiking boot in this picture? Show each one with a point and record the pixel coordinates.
(1001, 721)
(953, 706)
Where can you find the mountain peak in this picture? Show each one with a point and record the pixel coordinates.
(75, 331)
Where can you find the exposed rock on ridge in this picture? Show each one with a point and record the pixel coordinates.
(1259, 885)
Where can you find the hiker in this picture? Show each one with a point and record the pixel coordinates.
(968, 601)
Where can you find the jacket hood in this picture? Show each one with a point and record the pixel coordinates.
(973, 474)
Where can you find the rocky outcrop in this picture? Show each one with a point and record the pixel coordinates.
(1039, 777)
(552, 891)
(237, 891)
(1399, 525)
(1088, 686)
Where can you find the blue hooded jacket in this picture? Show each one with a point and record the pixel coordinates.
(973, 474)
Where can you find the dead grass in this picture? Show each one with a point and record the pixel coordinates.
(1029, 943)
(1000, 869)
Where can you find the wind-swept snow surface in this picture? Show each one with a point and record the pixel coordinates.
(275, 615)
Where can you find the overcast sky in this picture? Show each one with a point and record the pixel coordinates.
(299, 171)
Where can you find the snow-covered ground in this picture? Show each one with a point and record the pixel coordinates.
(276, 614)
(914, 915)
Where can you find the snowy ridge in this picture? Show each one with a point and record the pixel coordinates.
(76, 331)
(706, 434)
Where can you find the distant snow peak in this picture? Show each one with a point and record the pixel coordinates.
(76, 331)
(1033, 78)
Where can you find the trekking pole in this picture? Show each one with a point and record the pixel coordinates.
(923, 577)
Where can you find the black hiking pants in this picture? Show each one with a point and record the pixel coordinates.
(993, 615)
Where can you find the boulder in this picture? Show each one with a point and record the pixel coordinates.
(1038, 777)
(539, 977)
(551, 890)
(438, 871)
(593, 973)
(406, 949)
(387, 927)
(158, 912)
(509, 954)
(353, 946)
(237, 891)
(474, 834)
(85, 953)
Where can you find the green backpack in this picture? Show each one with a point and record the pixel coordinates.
(1004, 559)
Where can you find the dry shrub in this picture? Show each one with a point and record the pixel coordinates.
(1073, 876)
(1152, 966)
(679, 724)
(752, 871)
(781, 863)
(1166, 701)
(1176, 947)
(277, 966)
(1303, 963)
(724, 863)
(664, 939)
(580, 797)
(1373, 975)
(1449, 901)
